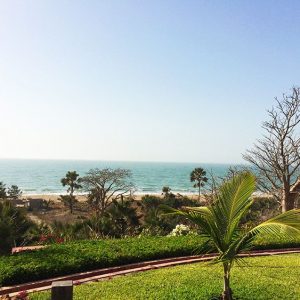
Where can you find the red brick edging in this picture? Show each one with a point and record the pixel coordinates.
(108, 273)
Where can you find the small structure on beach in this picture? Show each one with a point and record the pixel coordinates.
(35, 204)
(31, 204)
(17, 202)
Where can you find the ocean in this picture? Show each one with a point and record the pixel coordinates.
(43, 176)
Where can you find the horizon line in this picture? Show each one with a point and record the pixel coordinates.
(124, 161)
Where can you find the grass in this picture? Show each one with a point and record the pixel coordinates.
(265, 278)
(63, 259)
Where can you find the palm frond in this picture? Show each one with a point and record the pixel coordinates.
(286, 225)
(199, 216)
(233, 202)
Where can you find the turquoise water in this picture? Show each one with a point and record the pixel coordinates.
(43, 176)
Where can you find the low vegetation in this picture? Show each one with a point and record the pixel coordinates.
(14, 227)
(62, 259)
(260, 279)
(88, 255)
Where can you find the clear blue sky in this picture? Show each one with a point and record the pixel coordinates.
(136, 80)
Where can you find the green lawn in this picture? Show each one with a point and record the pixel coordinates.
(265, 278)
(80, 256)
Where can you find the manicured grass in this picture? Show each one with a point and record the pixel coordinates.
(265, 278)
(63, 259)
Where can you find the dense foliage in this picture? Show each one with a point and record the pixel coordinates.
(14, 227)
(3, 193)
(260, 279)
(154, 222)
(14, 192)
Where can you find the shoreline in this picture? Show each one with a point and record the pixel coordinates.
(137, 196)
(134, 194)
(83, 196)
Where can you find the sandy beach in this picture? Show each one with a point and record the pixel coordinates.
(83, 197)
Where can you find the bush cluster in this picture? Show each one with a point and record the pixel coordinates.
(154, 221)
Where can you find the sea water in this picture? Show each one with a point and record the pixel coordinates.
(43, 176)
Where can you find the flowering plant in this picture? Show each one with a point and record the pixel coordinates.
(23, 295)
(180, 229)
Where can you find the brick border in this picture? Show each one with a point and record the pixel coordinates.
(108, 273)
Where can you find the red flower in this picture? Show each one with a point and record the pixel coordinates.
(43, 238)
(59, 240)
(22, 295)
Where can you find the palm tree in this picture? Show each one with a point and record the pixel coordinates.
(198, 175)
(71, 180)
(220, 223)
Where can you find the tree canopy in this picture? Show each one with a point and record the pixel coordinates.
(106, 185)
(72, 181)
(198, 175)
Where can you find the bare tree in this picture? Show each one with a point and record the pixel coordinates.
(214, 182)
(106, 185)
(276, 157)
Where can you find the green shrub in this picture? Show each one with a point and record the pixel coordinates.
(14, 226)
(73, 257)
(81, 256)
(157, 223)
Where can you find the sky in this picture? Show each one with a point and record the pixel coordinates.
(180, 81)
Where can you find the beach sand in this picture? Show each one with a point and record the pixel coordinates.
(82, 198)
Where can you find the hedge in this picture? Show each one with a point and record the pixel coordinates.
(63, 259)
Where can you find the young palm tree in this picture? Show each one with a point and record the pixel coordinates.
(198, 175)
(220, 223)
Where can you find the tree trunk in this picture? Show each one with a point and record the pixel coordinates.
(227, 293)
(288, 201)
(199, 192)
(71, 199)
